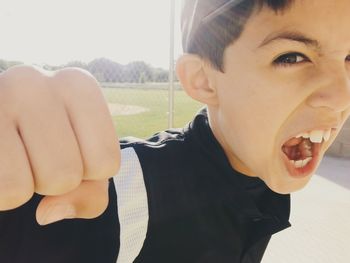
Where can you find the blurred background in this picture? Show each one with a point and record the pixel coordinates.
(130, 47)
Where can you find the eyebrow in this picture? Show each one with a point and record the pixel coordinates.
(292, 36)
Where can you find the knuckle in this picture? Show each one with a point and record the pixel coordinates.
(104, 168)
(75, 79)
(21, 84)
(16, 76)
(73, 72)
(23, 70)
(111, 159)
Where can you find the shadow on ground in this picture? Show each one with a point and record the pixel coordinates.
(335, 169)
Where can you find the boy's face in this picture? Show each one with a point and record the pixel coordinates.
(286, 75)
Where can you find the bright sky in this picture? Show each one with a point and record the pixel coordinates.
(58, 31)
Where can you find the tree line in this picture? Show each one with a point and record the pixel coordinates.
(106, 70)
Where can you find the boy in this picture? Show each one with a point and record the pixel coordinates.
(275, 78)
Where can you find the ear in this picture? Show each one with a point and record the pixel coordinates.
(195, 78)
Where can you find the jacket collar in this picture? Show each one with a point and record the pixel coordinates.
(249, 196)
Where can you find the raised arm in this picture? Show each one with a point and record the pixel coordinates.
(56, 139)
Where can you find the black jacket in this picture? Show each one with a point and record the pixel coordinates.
(176, 199)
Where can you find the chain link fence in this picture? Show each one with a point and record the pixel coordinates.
(142, 98)
(137, 95)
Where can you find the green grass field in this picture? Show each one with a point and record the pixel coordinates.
(155, 100)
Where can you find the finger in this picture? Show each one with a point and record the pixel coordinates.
(50, 142)
(92, 125)
(89, 200)
(16, 181)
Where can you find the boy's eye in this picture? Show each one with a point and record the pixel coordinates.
(290, 59)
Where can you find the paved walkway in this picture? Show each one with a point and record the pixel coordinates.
(320, 219)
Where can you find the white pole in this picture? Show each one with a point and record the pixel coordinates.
(171, 66)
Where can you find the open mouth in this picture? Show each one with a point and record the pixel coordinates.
(302, 153)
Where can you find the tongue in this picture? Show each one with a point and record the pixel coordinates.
(297, 149)
(305, 147)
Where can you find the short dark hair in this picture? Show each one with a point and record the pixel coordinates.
(212, 38)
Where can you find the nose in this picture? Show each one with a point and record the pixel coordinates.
(332, 90)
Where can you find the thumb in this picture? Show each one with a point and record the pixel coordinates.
(89, 200)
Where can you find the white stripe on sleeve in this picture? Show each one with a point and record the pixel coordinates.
(132, 206)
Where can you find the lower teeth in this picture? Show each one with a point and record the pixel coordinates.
(301, 163)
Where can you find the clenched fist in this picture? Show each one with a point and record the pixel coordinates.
(56, 139)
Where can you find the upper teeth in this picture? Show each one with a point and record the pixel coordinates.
(316, 136)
